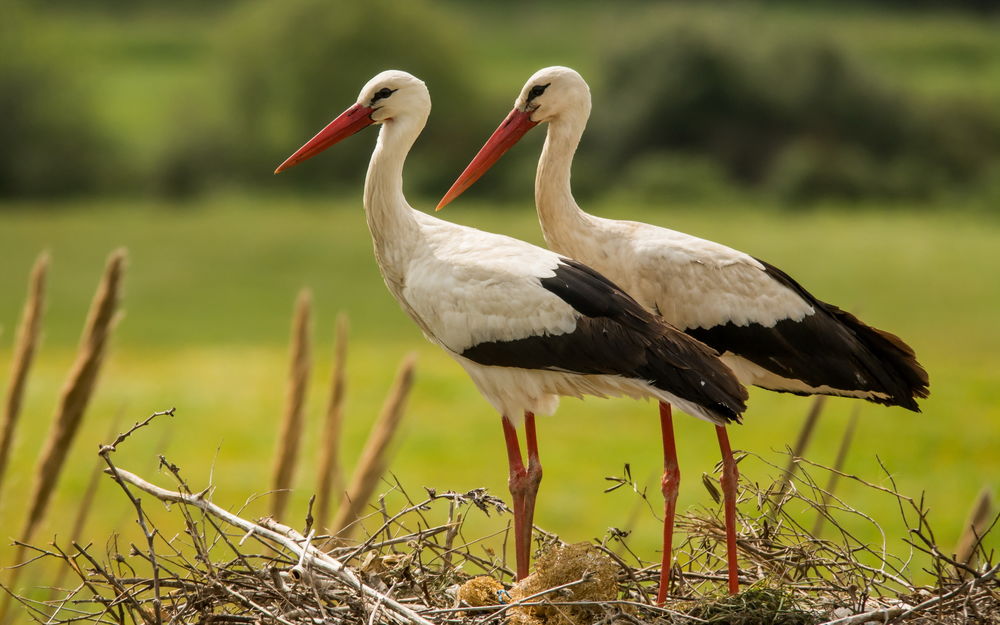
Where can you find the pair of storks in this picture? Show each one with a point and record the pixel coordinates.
(616, 308)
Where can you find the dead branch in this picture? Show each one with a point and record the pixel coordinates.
(296, 545)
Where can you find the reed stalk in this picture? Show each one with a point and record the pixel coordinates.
(976, 526)
(77, 391)
(329, 478)
(798, 451)
(24, 352)
(292, 423)
(838, 466)
(73, 401)
(374, 458)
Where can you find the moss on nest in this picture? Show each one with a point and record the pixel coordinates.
(755, 606)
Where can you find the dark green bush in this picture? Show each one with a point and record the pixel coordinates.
(796, 117)
(51, 142)
(290, 67)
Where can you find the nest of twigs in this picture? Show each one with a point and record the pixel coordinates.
(417, 565)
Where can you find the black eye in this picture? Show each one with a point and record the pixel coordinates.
(384, 92)
(536, 91)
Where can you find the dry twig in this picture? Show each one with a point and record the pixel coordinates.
(226, 569)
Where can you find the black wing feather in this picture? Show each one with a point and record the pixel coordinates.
(831, 347)
(617, 336)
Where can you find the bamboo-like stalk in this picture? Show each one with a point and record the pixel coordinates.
(293, 420)
(975, 527)
(374, 458)
(73, 401)
(838, 466)
(329, 479)
(24, 352)
(798, 451)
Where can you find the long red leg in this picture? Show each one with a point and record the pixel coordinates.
(523, 484)
(730, 478)
(669, 484)
(533, 479)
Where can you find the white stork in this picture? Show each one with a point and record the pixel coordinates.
(770, 331)
(527, 324)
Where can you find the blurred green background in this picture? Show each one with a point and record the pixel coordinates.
(856, 145)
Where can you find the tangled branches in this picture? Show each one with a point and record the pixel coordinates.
(220, 568)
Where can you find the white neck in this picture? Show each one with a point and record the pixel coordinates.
(558, 212)
(390, 218)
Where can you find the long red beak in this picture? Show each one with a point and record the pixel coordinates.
(503, 138)
(348, 123)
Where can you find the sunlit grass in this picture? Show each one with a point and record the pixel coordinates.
(209, 295)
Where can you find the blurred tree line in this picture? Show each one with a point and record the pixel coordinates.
(680, 111)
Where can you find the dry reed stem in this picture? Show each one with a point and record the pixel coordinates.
(24, 351)
(373, 461)
(73, 400)
(77, 391)
(293, 420)
(329, 479)
(798, 450)
(975, 527)
(86, 503)
(838, 466)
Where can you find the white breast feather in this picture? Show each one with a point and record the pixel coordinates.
(474, 287)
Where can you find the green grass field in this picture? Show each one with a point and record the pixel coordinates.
(209, 294)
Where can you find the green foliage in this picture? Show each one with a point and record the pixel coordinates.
(51, 143)
(290, 67)
(656, 176)
(798, 116)
(800, 102)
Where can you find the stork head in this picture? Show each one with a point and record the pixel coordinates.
(551, 95)
(390, 95)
